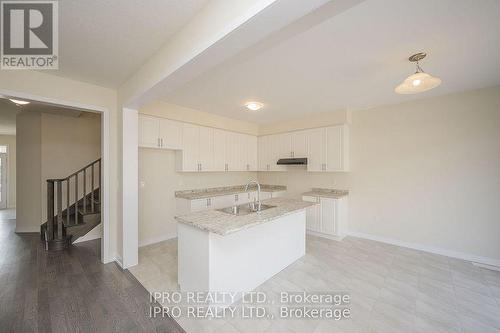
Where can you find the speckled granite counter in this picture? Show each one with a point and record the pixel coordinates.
(223, 223)
(327, 193)
(219, 191)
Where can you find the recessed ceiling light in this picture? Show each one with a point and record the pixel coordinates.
(254, 106)
(418, 82)
(18, 101)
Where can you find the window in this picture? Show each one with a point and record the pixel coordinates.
(3, 149)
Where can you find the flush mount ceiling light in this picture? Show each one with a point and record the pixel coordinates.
(18, 101)
(253, 106)
(418, 82)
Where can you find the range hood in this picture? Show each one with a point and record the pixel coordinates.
(292, 161)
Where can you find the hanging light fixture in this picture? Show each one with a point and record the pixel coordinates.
(418, 82)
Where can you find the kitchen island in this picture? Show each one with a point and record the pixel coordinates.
(222, 252)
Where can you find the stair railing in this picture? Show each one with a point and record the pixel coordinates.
(81, 183)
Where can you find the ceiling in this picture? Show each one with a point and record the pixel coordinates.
(105, 42)
(354, 60)
(9, 110)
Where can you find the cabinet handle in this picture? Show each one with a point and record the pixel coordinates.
(236, 197)
(159, 142)
(162, 142)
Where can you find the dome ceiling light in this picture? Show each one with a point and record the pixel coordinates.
(418, 82)
(253, 106)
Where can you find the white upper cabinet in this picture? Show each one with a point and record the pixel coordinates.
(337, 143)
(263, 153)
(284, 145)
(219, 150)
(157, 132)
(299, 141)
(206, 149)
(328, 149)
(170, 134)
(251, 152)
(149, 131)
(277, 146)
(188, 158)
(201, 148)
(316, 159)
(232, 152)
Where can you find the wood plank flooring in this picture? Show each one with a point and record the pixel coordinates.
(68, 291)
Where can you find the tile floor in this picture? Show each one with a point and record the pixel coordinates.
(393, 289)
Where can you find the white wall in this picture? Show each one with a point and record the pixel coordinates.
(29, 172)
(10, 141)
(424, 172)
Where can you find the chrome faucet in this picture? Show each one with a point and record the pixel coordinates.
(258, 193)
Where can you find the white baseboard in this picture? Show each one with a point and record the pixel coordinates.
(154, 240)
(431, 249)
(319, 234)
(119, 260)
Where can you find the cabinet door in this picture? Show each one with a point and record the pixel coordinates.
(198, 205)
(219, 163)
(317, 150)
(206, 149)
(263, 153)
(149, 131)
(170, 134)
(284, 142)
(328, 216)
(299, 144)
(242, 162)
(334, 145)
(251, 147)
(275, 145)
(232, 151)
(190, 147)
(312, 214)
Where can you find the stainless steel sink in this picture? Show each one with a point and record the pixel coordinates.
(245, 209)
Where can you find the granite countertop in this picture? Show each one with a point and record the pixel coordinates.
(223, 223)
(327, 193)
(226, 190)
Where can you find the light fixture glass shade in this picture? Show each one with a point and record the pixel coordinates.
(417, 83)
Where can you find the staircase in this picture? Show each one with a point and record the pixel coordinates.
(73, 207)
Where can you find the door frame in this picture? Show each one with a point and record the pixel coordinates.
(4, 175)
(106, 256)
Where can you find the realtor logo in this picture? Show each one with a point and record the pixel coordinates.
(29, 31)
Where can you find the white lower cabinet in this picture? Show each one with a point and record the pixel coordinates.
(329, 218)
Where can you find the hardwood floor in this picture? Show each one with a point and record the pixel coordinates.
(68, 291)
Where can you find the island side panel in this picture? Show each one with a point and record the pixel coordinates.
(243, 260)
(193, 258)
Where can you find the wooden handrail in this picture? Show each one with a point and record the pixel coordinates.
(74, 173)
(55, 198)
